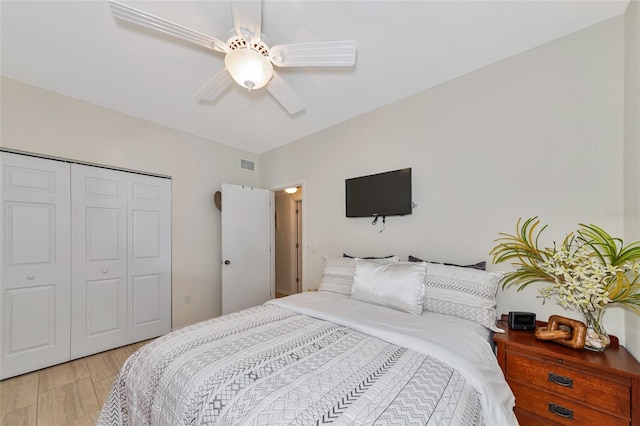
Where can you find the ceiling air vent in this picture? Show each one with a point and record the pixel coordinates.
(246, 164)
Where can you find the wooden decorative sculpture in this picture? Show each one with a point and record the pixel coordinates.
(566, 331)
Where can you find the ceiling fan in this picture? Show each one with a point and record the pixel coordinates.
(248, 60)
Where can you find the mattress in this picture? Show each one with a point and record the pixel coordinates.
(314, 358)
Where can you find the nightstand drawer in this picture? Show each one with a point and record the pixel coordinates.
(560, 410)
(609, 396)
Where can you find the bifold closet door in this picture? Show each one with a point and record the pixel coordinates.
(85, 260)
(99, 258)
(35, 276)
(121, 287)
(149, 277)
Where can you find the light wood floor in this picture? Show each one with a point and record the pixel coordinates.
(67, 394)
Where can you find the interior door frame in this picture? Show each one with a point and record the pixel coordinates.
(303, 251)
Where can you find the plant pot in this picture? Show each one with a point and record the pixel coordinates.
(597, 339)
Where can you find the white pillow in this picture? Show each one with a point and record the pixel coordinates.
(397, 286)
(338, 273)
(462, 292)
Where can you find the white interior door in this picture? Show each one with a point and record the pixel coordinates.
(99, 255)
(35, 277)
(149, 266)
(247, 258)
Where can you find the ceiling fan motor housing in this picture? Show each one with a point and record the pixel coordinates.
(240, 43)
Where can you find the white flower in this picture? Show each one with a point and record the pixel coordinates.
(579, 278)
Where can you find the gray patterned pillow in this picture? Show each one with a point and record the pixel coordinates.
(480, 265)
(462, 292)
(337, 275)
(390, 257)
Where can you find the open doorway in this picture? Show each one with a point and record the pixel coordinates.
(288, 241)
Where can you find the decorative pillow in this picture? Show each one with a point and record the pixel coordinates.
(338, 272)
(391, 257)
(480, 265)
(397, 286)
(462, 292)
(337, 275)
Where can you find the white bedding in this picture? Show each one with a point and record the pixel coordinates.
(315, 358)
(461, 343)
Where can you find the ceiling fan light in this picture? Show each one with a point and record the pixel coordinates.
(249, 68)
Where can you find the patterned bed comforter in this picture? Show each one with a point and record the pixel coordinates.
(270, 366)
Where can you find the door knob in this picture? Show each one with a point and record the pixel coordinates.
(227, 262)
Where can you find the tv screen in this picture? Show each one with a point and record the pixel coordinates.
(382, 194)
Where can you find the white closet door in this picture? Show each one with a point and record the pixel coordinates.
(149, 277)
(99, 256)
(35, 277)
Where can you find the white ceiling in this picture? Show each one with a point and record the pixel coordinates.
(404, 47)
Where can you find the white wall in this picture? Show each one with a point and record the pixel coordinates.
(537, 134)
(632, 151)
(42, 122)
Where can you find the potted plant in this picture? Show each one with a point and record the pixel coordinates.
(587, 272)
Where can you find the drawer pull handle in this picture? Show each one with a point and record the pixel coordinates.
(561, 411)
(561, 380)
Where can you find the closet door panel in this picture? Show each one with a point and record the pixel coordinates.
(36, 274)
(99, 286)
(31, 311)
(149, 257)
(103, 306)
(146, 300)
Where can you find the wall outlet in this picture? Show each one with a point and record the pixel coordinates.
(187, 299)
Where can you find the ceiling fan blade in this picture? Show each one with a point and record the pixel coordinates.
(139, 17)
(283, 93)
(247, 19)
(215, 87)
(316, 54)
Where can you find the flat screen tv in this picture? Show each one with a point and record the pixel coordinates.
(382, 194)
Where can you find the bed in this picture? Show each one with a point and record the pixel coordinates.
(318, 357)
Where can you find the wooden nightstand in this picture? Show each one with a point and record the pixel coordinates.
(554, 384)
